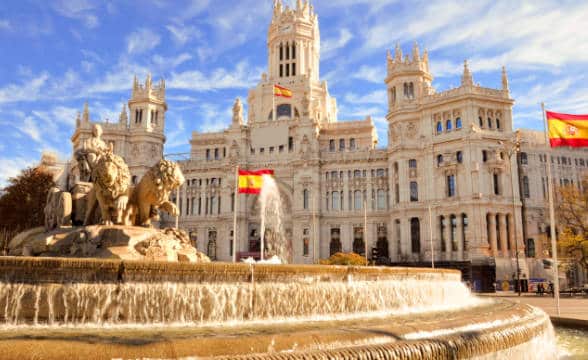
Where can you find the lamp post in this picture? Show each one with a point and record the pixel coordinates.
(512, 149)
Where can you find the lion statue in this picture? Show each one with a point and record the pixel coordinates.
(112, 180)
(152, 194)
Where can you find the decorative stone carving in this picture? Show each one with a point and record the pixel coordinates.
(111, 186)
(90, 153)
(305, 103)
(57, 209)
(152, 193)
(411, 130)
(237, 112)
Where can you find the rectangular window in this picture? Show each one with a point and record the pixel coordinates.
(341, 144)
(396, 193)
(495, 183)
(207, 154)
(412, 163)
(451, 185)
(287, 69)
(290, 143)
(271, 149)
(281, 70)
(261, 151)
(414, 191)
(331, 145)
(293, 69)
(281, 148)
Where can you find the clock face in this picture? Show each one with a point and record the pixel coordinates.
(285, 28)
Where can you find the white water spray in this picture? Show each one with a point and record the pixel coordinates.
(270, 213)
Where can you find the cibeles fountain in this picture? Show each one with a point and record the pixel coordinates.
(118, 288)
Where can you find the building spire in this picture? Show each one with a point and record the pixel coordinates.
(504, 79)
(415, 52)
(122, 119)
(78, 120)
(426, 59)
(466, 78)
(86, 114)
(388, 55)
(397, 53)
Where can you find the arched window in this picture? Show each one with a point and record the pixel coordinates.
(357, 201)
(281, 52)
(341, 144)
(439, 160)
(464, 222)
(335, 200)
(484, 155)
(480, 121)
(393, 95)
(526, 192)
(305, 194)
(489, 123)
(357, 173)
(395, 168)
(498, 123)
(524, 158)
(381, 199)
(459, 157)
(450, 185)
(352, 144)
(439, 127)
(332, 145)
(448, 125)
(405, 85)
(411, 90)
(415, 235)
(382, 242)
(211, 247)
(458, 123)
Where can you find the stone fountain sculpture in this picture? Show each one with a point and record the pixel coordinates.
(122, 228)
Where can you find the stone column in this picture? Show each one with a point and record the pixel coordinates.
(447, 237)
(491, 218)
(503, 234)
(460, 238)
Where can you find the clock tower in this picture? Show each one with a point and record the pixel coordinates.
(293, 44)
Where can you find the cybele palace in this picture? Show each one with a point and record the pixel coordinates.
(442, 185)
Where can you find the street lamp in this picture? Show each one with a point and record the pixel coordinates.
(512, 149)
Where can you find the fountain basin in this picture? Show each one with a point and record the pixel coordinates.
(82, 308)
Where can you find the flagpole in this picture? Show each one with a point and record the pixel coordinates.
(235, 214)
(551, 215)
(273, 102)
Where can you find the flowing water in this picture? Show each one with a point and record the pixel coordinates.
(197, 304)
(271, 212)
(572, 343)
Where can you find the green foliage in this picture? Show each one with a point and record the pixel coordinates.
(344, 259)
(23, 201)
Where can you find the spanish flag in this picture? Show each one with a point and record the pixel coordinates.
(282, 91)
(567, 129)
(250, 182)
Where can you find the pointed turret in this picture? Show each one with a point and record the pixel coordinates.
(397, 53)
(86, 114)
(504, 80)
(415, 52)
(299, 5)
(148, 81)
(388, 55)
(123, 118)
(426, 59)
(78, 120)
(466, 78)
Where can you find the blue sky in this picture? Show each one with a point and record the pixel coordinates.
(55, 55)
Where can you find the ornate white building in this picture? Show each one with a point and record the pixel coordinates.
(441, 188)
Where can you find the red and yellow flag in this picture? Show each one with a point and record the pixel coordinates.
(251, 181)
(282, 91)
(567, 129)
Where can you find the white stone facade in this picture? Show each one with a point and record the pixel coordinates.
(446, 170)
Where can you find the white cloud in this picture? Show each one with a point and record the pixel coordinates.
(82, 10)
(375, 97)
(181, 33)
(330, 46)
(213, 119)
(30, 128)
(169, 63)
(142, 40)
(375, 74)
(29, 89)
(5, 25)
(242, 76)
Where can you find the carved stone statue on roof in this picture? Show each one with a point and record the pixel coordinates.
(91, 151)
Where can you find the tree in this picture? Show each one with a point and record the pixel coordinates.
(23, 201)
(572, 216)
